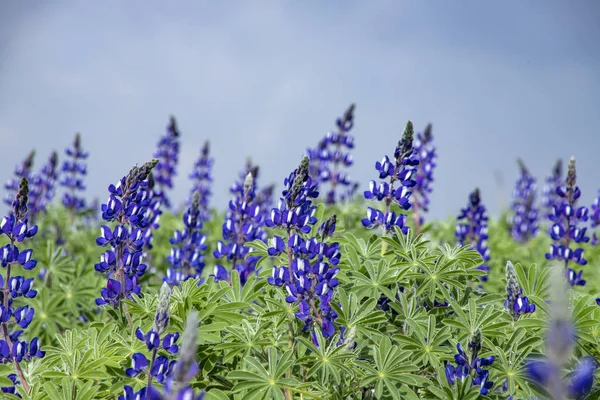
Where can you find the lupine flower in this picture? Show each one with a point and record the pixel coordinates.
(123, 262)
(560, 341)
(167, 153)
(565, 231)
(402, 170)
(524, 224)
(42, 190)
(515, 302)
(472, 229)
(425, 152)
(16, 228)
(325, 162)
(187, 253)
(242, 225)
(550, 197)
(202, 179)
(471, 366)
(74, 169)
(152, 213)
(22, 170)
(595, 218)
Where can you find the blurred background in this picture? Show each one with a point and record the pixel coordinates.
(267, 79)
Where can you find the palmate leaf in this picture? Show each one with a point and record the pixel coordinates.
(249, 339)
(488, 319)
(360, 249)
(365, 317)
(327, 360)
(391, 369)
(374, 281)
(426, 345)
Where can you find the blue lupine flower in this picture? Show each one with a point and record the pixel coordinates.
(524, 224)
(16, 228)
(550, 197)
(425, 152)
(595, 218)
(22, 170)
(152, 212)
(187, 253)
(325, 162)
(123, 263)
(74, 169)
(242, 224)
(471, 366)
(402, 170)
(167, 153)
(472, 229)
(515, 302)
(42, 190)
(11, 389)
(565, 217)
(202, 179)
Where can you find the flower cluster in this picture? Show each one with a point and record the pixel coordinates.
(595, 218)
(242, 225)
(159, 367)
(325, 162)
(550, 197)
(565, 217)
(472, 366)
(126, 206)
(181, 372)
(524, 224)
(22, 170)
(201, 177)
(42, 191)
(74, 169)
(560, 341)
(425, 152)
(152, 213)
(311, 276)
(473, 229)
(187, 258)
(401, 169)
(515, 302)
(16, 228)
(167, 153)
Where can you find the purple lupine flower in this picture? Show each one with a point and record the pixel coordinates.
(471, 366)
(402, 170)
(123, 261)
(17, 229)
(22, 170)
(565, 218)
(425, 152)
(74, 169)
(152, 213)
(524, 224)
(167, 153)
(595, 218)
(189, 244)
(242, 224)
(202, 179)
(325, 162)
(515, 302)
(42, 190)
(550, 197)
(472, 229)
(560, 341)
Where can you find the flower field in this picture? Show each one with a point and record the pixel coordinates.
(316, 287)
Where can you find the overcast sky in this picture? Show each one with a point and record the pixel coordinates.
(498, 80)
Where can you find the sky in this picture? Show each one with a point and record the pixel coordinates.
(267, 79)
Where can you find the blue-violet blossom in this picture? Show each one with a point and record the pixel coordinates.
(472, 229)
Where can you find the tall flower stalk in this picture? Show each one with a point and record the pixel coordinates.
(472, 229)
(202, 179)
(123, 262)
(42, 191)
(167, 153)
(425, 152)
(595, 218)
(565, 232)
(74, 169)
(550, 197)
(524, 224)
(332, 154)
(16, 228)
(401, 171)
(22, 170)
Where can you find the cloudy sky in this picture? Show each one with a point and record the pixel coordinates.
(498, 80)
